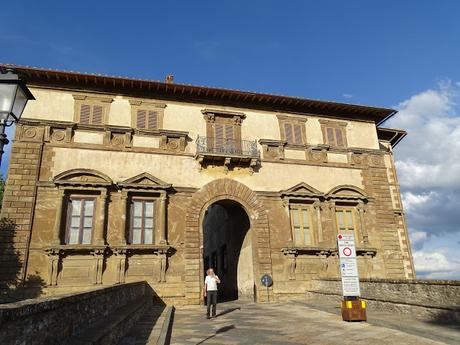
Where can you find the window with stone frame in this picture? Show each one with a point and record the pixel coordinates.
(334, 133)
(301, 224)
(146, 119)
(223, 131)
(91, 110)
(80, 219)
(292, 129)
(345, 219)
(142, 227)
(147, 115)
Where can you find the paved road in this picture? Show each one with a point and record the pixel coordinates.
(279, 323)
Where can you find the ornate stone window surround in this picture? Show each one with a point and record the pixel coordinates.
(339, 125)
(350, 197)
(304, 194)
(146, 186)
(228, 152)
(137, 104)
(293, 120)
(79, 181)
(92, 99)
(231, 117)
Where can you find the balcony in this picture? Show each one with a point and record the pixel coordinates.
(229, 153)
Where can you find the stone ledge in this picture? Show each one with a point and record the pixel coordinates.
(13, 311)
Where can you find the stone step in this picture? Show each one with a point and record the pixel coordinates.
(111, 329)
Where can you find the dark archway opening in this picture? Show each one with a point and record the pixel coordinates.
(227, 247)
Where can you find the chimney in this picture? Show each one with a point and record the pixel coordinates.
(169, 78)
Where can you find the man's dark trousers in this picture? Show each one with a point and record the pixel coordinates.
(211, 298)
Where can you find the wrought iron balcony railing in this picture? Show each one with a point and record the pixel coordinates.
(219, 146)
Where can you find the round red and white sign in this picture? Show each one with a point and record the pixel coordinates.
(347, 251)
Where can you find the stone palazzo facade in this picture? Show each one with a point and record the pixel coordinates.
(111, 180)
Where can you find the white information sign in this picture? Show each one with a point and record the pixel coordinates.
(348, 265)
(350, 286)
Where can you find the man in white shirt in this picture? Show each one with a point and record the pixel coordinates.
(210, 292)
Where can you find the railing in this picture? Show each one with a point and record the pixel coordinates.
(227, 147)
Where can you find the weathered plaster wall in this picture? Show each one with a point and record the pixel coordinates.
(59, 105)
(183, 171)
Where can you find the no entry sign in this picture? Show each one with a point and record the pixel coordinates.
(348, 265)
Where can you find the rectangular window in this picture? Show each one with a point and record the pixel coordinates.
(345, 219)
(335, 136)
(146, 119)
(91, 114)
(142, 221)
(293, 133)
(300, 222)
(80, 212)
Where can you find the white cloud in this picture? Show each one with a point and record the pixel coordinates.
(417, 238)
(428, 165)
(412, 200)
(347, 95)
(436, 265)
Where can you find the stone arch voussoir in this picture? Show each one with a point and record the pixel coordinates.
(214, 191)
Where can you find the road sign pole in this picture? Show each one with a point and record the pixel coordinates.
(353, 309)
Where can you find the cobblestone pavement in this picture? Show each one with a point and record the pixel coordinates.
(279, 323)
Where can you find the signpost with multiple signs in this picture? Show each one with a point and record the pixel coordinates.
(348, 265)
(352, 308)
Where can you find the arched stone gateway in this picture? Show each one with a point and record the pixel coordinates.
(224, 189)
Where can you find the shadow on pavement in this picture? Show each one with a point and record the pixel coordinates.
(220, 330)
(226, 311)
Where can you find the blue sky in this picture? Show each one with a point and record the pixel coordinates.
(402, 54)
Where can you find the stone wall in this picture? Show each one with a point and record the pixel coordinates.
(428, 299)
(53, 319)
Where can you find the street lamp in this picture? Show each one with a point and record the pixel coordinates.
(14, 95)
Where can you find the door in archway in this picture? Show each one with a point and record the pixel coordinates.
(227, 247)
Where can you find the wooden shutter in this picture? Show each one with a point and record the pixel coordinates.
(330, 137)
(97, 115)
(152, 120)
(85, 114)
(229, 132)
(339, 137)
(141, 119)
(288, 133)
(298, 134)
(229, 139)
(218, 135)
